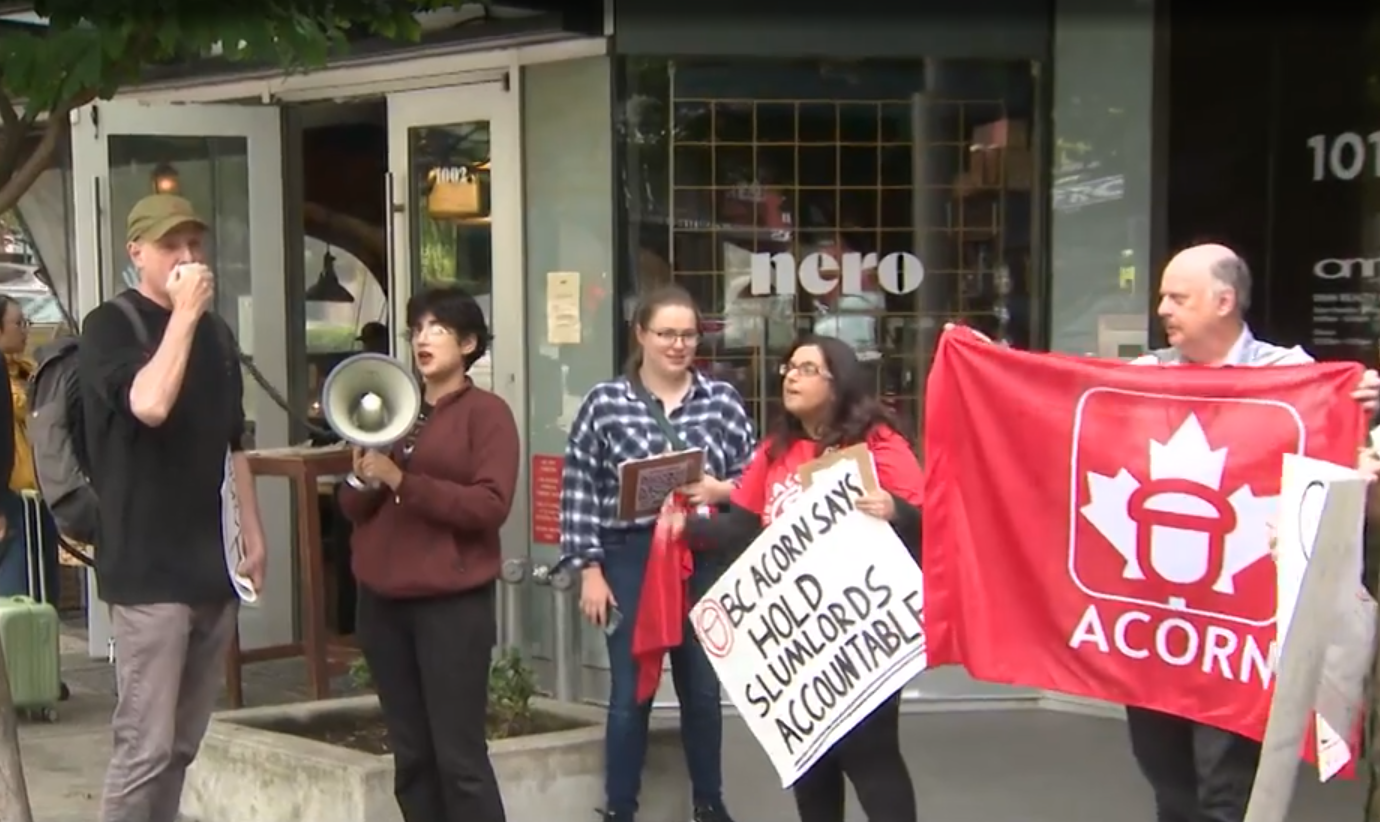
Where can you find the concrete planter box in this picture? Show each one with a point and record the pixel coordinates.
(248, 773)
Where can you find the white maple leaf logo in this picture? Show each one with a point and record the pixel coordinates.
(1175, 521)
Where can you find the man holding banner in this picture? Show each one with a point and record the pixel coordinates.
(1163, 596)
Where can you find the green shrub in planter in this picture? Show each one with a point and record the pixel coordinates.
(512, 686)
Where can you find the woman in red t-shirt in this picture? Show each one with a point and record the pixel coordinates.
(830, 404)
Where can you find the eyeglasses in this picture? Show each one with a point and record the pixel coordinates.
(669, 336)
(430, 331)
(804, 369)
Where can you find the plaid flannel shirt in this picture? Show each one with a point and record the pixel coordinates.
(614, 426)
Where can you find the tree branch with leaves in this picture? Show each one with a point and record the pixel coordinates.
(90, 50)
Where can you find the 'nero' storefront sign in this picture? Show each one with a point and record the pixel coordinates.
(821, 273)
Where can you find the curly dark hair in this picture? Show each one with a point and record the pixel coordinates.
(854, 409)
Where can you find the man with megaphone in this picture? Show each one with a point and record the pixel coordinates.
(435, 471)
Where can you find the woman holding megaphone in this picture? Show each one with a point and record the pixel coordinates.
(427, 513)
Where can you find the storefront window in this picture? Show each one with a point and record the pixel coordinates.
(1102, 283)
(871, 201)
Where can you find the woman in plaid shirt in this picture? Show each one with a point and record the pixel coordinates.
(660, 404)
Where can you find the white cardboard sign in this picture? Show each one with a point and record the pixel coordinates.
(817, 624)
(1324, 635)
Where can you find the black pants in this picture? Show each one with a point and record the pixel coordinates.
(429, 659)
(1199, 773)
(870, 756)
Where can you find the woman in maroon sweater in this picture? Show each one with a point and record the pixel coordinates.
(426, 556)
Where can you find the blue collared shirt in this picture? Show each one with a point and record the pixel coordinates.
(613, 426)
(1247, 350)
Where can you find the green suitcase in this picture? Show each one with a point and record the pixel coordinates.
(30, 629)
(29, 635)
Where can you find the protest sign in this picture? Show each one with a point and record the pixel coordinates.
(816, 624)
(1322, 507)
(1349, 633)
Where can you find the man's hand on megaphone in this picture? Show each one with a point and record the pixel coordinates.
(376, 466)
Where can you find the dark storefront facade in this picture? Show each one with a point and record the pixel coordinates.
(1041, 163)
(1271, 147)
(877, 146)
(1005, 150)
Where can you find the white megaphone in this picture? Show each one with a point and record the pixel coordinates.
(372, 401)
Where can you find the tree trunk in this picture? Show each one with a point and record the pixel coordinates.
(30, 166)
(14, 794)
(18, 169)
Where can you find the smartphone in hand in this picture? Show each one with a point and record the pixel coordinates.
(612, 620)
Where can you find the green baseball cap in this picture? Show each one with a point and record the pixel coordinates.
(157, 214)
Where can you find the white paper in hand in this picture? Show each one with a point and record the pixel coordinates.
(231, 535)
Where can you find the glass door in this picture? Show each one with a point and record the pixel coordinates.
(455, 200)
(222, 158)
(456, 216)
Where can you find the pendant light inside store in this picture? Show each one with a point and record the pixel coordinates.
(165, 179)
(327, 288)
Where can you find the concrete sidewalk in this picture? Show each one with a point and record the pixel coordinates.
(987, 766)
(968, 766)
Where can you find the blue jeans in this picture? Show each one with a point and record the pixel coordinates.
(15, 550)
(697, 687)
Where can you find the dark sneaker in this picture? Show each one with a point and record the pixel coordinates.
(611, 816)
(711, 813)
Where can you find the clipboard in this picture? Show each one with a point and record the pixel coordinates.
(643, 485)
(867, 467)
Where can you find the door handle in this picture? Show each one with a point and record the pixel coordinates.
(391, 210)
(101, 229)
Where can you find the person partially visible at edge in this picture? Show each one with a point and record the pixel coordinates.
(1200, 773)
(15, 551)
(622, 420)
(829, 404)
(164, 425)
(426, 555)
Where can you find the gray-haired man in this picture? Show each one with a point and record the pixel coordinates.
(1200, 773)
(164, 423)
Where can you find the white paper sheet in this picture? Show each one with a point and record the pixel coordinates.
(231, 535)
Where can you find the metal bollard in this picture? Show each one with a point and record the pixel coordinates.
(560, 576)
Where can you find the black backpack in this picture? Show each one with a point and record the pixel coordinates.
(57, 426)
(57, 432)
